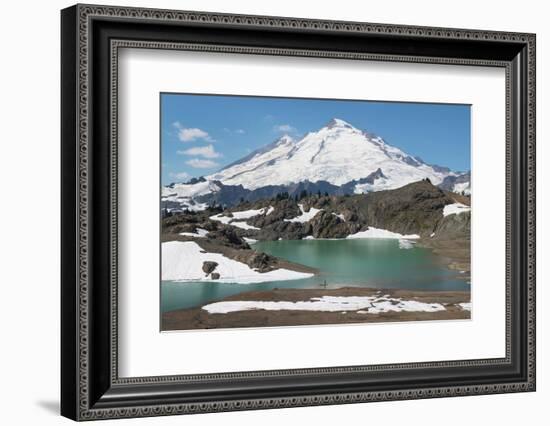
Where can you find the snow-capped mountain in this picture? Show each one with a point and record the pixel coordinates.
(338, 159)
(338, 153)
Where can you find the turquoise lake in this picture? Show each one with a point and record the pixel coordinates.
(373, 263)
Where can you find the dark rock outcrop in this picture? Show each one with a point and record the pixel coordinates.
(227, 236)
(283, 230)
(453, 226)
(415, 208)
(329, 225)
(283, 209)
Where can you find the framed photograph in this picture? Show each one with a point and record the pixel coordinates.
(263, 212)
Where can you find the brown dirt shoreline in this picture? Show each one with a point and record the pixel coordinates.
(455, 254)
(197, 318)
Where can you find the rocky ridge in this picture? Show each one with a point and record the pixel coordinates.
(416, 208)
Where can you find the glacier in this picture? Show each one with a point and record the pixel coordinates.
(337, 153)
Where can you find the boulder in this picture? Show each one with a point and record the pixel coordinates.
(208, 266)
(260, 262)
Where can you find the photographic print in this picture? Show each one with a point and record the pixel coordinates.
(250, 182)
(291, 211)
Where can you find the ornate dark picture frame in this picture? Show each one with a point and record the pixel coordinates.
(91, 37)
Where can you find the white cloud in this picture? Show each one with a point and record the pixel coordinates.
(182, 176)
(193, 133)
(240, 131)
(285, 128)
(202, 151)
(189, 134)
(197, 163)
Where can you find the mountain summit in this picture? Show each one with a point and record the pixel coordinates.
(338, 122)
(337, 153)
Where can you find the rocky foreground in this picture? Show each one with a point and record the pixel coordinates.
(445, 305)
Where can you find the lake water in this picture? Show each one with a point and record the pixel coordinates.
(362, 262)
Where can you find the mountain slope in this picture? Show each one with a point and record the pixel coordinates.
(338, 153)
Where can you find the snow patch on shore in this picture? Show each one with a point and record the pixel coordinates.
(466, 306)
(373, 232)
(201, 233)
(183, 260)
(362, 304)
(456, 208)
(305, 216)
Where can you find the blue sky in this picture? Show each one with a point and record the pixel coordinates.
(202, 133)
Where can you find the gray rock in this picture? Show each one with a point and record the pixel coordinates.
(260, 262)
(208, 266)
